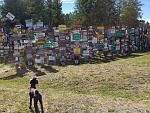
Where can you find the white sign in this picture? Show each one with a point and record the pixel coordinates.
(39, 24)
(10, 16)
(94, 40)
(86, 53)
(40, 34)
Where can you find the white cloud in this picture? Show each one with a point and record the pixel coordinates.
(147, 20)
(68, 11)
(68, 1)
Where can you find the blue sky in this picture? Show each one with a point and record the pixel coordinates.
(68, 6)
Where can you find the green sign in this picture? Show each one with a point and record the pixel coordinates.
(76, 37)
(84, 46)
(51, 39)
(51, 45)
(29, 23)
(118, 33)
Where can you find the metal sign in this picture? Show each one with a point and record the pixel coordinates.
(62, 27)
(29, 23)
(10, 16)
(76, 37)
(51, 45)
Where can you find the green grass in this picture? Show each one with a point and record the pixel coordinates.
(1, 65)
(122, 85)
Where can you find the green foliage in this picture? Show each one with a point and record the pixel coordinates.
(34, 9)
(131, 12)
(48, 11)
(108, 12)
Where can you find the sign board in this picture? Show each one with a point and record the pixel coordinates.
(86, 53)
(51, 45)
(29, 23)
(18, 26)
(15, 29)
(77, 51)
(84, 35)
(62, 27)
(62, 48)
(84, 46)
(94, 40)
(40, 41)
(39, 25)
(40, 34)
(100, 36)
(113, 30)
(100, 28)
(62, 37)
(118, 33)
(56, 32)
(50, 39)
(10, 16)
(76, 37)
(16, 53)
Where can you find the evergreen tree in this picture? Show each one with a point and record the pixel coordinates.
(131, 12)
(35, 9)
(16, 7)
(57, 17)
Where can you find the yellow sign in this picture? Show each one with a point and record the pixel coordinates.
(100, 27)
(62, 27)
(100, 37)
(77, 51)
(15, 30)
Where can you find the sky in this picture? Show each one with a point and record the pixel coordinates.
(69, 5)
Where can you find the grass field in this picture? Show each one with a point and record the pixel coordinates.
(119, 86)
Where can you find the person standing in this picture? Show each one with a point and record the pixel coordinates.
(38, 98)
(33, 83)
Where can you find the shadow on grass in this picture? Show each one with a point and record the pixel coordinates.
(111, 59)
(49, 69)
(36, 71)
(19, 73)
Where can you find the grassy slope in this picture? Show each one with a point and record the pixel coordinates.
(121, 86)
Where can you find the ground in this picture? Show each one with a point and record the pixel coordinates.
(119, 86)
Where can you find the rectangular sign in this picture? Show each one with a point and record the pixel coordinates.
(51, 45)
(62, 27)
(10, 16)
(77, 51)
(39, 25)
(76, 37)
(29, 23)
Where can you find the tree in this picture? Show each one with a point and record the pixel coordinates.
(57, 17)
(94, 12)
(84, 11)
(131, 12)
(16, 7)
(48, 12)
(35, 9)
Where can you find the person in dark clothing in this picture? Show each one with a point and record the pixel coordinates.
(33, 83)
(38, 97)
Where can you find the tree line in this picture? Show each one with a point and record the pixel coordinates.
(87, 12)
